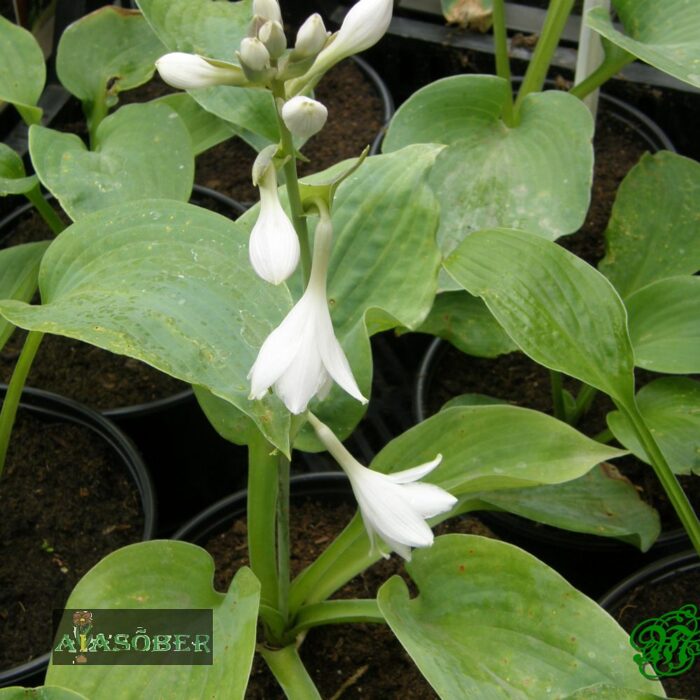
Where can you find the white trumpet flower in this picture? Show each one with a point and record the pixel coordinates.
(394, 506)
(273, 247)
(301, 358)
(186, 71)
(303, 116)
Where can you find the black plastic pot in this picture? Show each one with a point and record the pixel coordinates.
(626, 603)
(52, 406)
(219, 516)
(172, 433)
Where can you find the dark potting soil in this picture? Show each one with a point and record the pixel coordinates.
(653, 600)
(67, 501)
(359, 661)
(355, 115)
(516, 378)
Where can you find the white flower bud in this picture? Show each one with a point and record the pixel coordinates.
(311, 37)
(303, 116)
(268, 9)
(364, 25)
(274, 245)
(186, 71)
(254, 55)
(272, 35)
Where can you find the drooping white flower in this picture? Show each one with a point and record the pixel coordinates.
(273, 247)
(311, 37)
(393, 506)
(267, 9)
(301, 358)
(186, 71)
(303, 116)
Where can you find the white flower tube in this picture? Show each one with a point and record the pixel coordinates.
(301, 358)
(274, 245)
(186, 71)
(303, 116)
(393, 506)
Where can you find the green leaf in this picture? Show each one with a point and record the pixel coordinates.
(215, 30)
(603, 691)
(472, 400)
(231, 423)
(22, 70)
(13, 178)
(164, 574)
(535, 176)
(118, 46)
(19, 270)
(664, 323)
(475, 456)
(170, 284)
(559, 310)
(601, 502)
(42, 693)
(206, 130)
(492, 621)
(384, 266)
(142, 151)
(670, 407)
(664, 34)
(465, 321)
(652, 233)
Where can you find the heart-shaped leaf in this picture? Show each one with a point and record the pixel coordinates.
(19, 270)
(206, 130)
(559, 310)
(492, 621)
(22, 70)
(118, 46)
(170, 284)
(601, 502)
(465, 321)
(664, 323)
(142, 151)
(663, 34)
(215, 29)
(534, 176)
(476, 456)
(670, 407)
(166, 574)
(652, 232)
(13, 177)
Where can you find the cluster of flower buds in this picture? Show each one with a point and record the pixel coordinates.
(264, 57)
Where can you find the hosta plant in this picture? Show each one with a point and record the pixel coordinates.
(269, 317)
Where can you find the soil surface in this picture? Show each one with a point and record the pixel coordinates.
(654, 600)
(364, 661)
(67, 501)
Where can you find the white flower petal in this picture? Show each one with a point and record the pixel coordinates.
(277, 352)
(415, 473)
(274, 245)
(303, 116)
(428, 499)
(267, 9)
